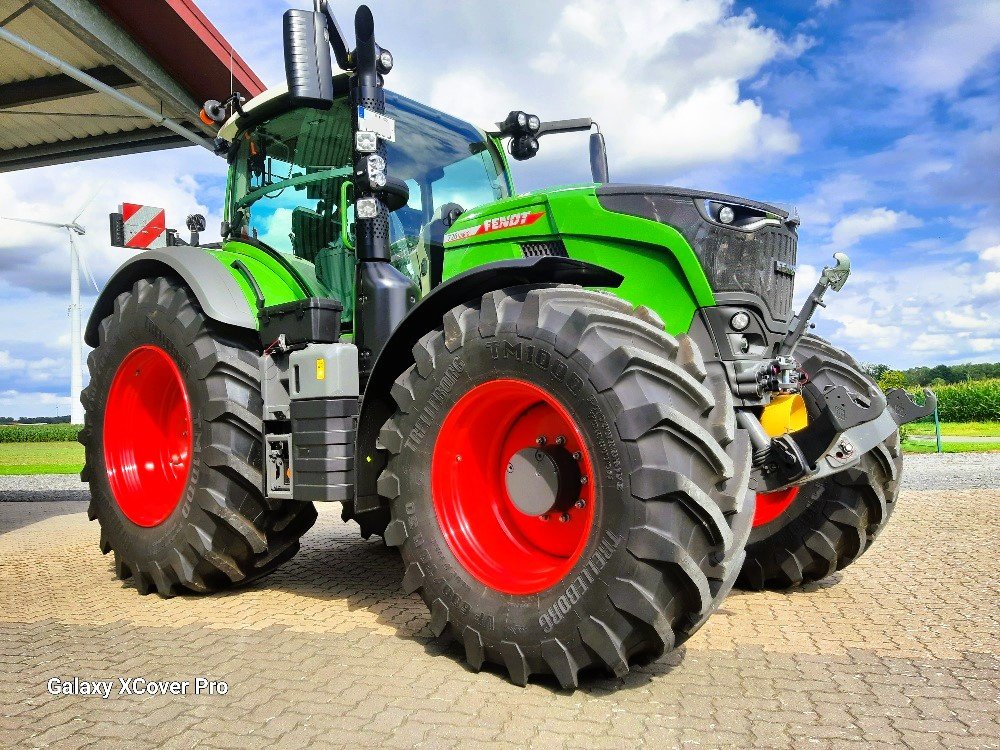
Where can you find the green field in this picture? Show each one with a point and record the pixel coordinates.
(41, 458)
(67, 457)
(958, 429)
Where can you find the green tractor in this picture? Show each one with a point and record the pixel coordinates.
(581, 414)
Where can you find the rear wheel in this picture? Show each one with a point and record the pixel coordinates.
(173, 449)
(566, 484)
(807, 533)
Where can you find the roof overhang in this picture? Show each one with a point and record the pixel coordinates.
(163, 54)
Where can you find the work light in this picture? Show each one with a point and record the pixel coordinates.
(366, 208)
(365, 142)
(376, 171)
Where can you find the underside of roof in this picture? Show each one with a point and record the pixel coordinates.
(164, 54)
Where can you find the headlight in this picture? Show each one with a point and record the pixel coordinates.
(726, 215)
(385, 61)
(739, 321)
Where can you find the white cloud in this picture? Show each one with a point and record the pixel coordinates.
(867, 334)
(849, 230)
(991, 255)
(668, 99)
(829, 200)
(939, 49)
(37, 258)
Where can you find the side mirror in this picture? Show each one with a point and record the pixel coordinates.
(598, 158)
(307, 59)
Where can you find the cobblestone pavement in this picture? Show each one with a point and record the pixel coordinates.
(900, 650)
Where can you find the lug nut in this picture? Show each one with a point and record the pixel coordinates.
(510, 468)
(560, 440)
(581, 503)
(540, 440)
(544, 516)
(564, 517)
(577, 456)
(584, 480)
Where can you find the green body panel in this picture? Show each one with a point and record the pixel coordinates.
(660, 269)
(277, 282)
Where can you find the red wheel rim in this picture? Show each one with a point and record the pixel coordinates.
(491, 537)
(770, 505)
(147, 436)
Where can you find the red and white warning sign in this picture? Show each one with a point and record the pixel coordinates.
(522, 219)
(145, 227)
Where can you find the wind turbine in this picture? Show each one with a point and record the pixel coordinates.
(73, 229)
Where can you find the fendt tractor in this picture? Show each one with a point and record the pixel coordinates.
(581, 414)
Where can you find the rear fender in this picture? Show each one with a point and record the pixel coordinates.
(397, 355)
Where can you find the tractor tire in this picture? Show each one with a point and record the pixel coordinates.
(174, 451)
(831, 522)
(372, 522)
(648, 507)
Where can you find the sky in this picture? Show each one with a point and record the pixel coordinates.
(877, 121)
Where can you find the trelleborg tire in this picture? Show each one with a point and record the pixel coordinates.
(654, 538)
(173, 449)
(831, 522)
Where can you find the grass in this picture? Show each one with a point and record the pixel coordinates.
(67, 457)
(41, 458)
(928, 446)
(958, 429)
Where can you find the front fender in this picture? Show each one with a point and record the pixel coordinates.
(219, 294)
(397, 355)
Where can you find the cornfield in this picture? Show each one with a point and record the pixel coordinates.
(38, 433)
(974, 401)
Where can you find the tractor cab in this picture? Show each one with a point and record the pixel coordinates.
(290, 185)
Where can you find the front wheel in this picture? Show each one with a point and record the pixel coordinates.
(567, 486)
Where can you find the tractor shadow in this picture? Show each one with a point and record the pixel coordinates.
(21, 508)
(336, 565)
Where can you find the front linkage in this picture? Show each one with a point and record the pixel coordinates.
(842, 425)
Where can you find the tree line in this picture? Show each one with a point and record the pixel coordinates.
(936, 375)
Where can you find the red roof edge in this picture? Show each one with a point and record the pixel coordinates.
(188, 46)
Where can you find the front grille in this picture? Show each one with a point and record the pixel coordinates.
(746, 262)
(733, 260)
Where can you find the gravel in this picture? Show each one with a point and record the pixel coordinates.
(921, 472)
(43, 488)
(951, 471)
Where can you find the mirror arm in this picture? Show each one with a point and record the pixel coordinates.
(337, 40)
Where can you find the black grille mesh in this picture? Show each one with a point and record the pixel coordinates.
(733, 260)
(554, 248)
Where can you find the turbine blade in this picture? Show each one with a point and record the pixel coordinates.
(34, 221)
(90, 200)
(86, 269)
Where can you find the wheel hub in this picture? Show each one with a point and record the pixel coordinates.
(542, 480)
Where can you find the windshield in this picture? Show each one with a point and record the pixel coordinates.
(290, 176)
